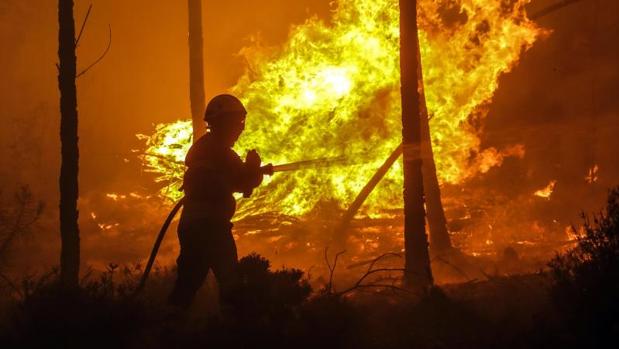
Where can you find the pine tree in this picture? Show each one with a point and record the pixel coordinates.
(196, 68)
(69, 229)
(418, 273)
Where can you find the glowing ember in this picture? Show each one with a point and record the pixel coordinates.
(573, 234)
(547, 191)
(592, 175)
(115, 196)
(333, 90)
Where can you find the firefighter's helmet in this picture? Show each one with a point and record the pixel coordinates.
(225, 108)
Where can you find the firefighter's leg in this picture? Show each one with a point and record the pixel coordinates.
(192, 266)
(223, 259)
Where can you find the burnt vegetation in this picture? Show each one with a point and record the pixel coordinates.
(573, 303)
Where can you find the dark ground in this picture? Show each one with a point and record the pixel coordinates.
(573, 302)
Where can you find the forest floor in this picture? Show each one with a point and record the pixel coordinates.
(571, 301)
(514, 311)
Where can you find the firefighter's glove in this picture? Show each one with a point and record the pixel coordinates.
(255, 173)
(252, 160)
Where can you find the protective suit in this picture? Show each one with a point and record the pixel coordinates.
(214, 173)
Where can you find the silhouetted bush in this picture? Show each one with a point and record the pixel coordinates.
(274, 309)
(267, 295)
(261, 311)
(329, 321)
(101, 313)
(586, 279)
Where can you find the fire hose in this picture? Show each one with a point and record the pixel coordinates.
(265, 170)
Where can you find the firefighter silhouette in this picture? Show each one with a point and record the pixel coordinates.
(214, 173)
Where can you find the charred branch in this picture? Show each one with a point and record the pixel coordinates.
(552, 8)
(342, 229)
(329, 289)
(79, 36)
(101, 57)
(26, 213)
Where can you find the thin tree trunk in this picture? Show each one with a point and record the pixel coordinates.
(196, 68)
(417, 265)
(341, 231)
(69, 229)
(437, 223)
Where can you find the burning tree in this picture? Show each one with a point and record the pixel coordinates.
(69, 229)
(417, 262)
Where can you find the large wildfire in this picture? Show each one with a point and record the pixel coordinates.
(332, 91)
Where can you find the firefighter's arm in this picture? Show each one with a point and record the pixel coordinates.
(253, 173)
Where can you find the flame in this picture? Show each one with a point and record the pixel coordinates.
(547, 191)
(592, 174)
(333, 90)
(491, 157)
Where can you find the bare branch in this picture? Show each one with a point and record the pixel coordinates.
(392, 287)
(4, 246)
(11, 285)
(107, 49)
(330, 288)
(77, 41)
(369, 261)
(460, 271)
(370, 271)
(359, 282)
(28, 212)
(327, 258)
(552, 8)
(388, 254)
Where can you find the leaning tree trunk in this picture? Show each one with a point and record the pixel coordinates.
(437, 223)
(417, 264)
(69, 229)
(196, 68)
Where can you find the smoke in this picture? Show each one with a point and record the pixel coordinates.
(560, 103)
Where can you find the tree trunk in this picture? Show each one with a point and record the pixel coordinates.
(437, 223)
(196, 68)
(341, 231)
(69, 229)
(417, 264)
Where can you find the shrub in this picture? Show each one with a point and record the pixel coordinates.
(586, 278)
(262, 293)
